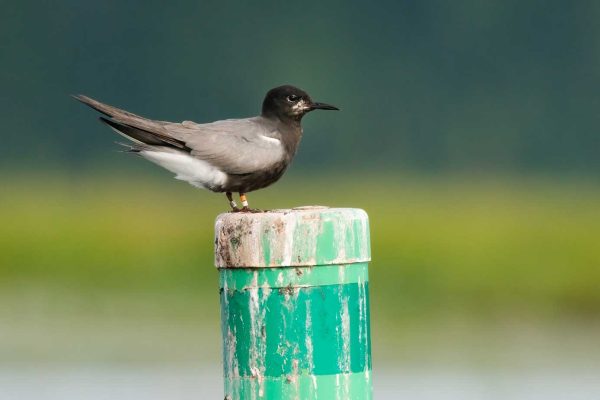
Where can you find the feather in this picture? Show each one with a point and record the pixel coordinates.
(142, 136)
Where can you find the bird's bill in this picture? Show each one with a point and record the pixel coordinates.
(322, 106)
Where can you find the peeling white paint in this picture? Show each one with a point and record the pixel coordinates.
(291, 236)
(346, 385)
(287, 246)
(309, 348)
(258, 339)
(266, 289)
(344, 356)
(308, 341)
(292, 379)
(280, 279)
(341, 273)
(363, 335)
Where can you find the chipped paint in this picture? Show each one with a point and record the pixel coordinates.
(306, 236)
(344, 354)
(294, 304)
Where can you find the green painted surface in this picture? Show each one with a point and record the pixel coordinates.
(317, 329)
(327, 246)
(353, 386)
(295, 304)
(239, 279)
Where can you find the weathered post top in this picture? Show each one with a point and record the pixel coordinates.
(294, 293)
(303, 236)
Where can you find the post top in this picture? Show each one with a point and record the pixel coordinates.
(302, 236)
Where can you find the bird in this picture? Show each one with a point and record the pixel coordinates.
(226, 156)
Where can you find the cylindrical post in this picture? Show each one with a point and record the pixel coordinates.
(295, 304)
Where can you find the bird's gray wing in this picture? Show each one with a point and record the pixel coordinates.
(235, 146)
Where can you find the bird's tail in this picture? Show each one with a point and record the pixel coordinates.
(105, 109)
(139, 130)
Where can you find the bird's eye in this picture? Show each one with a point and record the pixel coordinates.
(292, 98)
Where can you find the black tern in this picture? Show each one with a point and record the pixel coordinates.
(232, 155)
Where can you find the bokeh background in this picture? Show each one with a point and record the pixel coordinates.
(468, 132)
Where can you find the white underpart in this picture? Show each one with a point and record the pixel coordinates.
(197, 172)
(270, 140)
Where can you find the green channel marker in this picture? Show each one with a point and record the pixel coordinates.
(295, 304)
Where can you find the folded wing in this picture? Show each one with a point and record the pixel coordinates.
(235, 146)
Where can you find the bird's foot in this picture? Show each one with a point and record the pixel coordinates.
(251, 210)
(245, 210)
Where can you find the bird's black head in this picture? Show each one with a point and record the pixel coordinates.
(289, 102)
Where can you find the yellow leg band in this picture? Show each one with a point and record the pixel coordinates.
(244, 200)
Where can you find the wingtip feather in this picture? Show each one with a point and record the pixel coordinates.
(80, 97)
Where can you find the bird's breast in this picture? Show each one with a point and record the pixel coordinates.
(256, 180)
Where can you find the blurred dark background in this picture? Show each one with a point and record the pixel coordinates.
(468, 132)
(434, 86)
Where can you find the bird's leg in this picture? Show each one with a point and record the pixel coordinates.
(232, 203)
(244, 201)
(245, 207)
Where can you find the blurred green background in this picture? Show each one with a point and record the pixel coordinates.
(468, 132)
